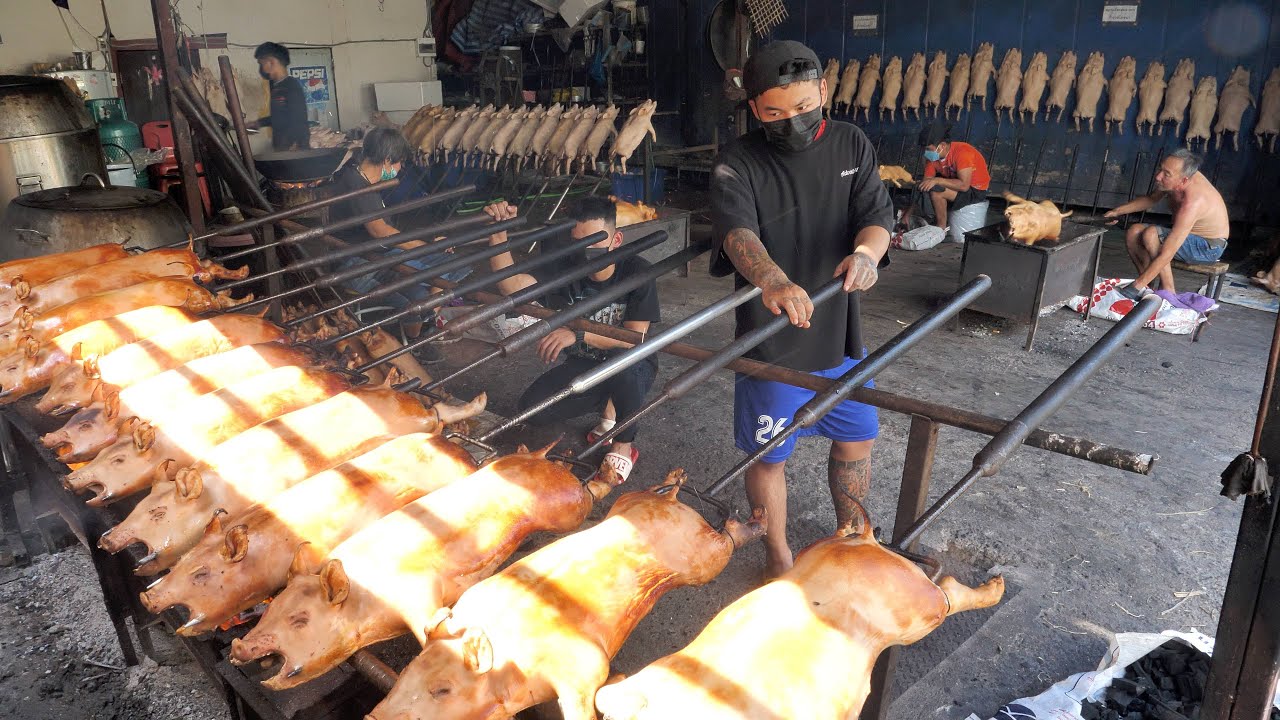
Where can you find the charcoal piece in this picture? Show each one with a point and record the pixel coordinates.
(1176, 664)
(1089, 711)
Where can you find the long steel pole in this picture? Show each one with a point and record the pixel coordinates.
(1061, 443)
(992, 456)
(470, 320)
(616, 364)
(477, 283)
(697, 374)
(375, 244)
(870, 366)
(286, 213)
(316, 232)
(237, 113)
(373, 266)
(219, 144)
(560, 318)
(183, 148)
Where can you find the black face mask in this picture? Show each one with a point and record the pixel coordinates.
(264, 74)
(591, 253)
(794, 133)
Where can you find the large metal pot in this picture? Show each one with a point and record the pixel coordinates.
(70, 218)
(47, 138)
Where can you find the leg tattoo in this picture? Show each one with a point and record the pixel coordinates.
(850, 480)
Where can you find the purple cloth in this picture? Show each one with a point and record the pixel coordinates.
(1188, 301)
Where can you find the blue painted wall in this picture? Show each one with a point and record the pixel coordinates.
(1217, 34)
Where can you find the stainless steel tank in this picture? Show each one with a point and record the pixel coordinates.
(47, 138)
(89, 213)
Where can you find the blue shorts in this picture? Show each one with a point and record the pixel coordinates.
(763, 408)
(406, 296)
(1195, 249)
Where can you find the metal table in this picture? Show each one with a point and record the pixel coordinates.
(1025, 279)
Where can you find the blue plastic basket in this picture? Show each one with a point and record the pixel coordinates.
(630, 187)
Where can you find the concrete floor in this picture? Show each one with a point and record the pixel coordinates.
(1087, 550)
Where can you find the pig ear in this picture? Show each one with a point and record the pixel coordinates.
(111, 400)
(334, 582)
(31, 346)
(188, 483)
(90, 365)
(237, 544)
(438, 627)
(77, 352)
(215, 524)
(301, 564)
(477, 651)
(26, 318)
(161, 473)
(144, 434)
(21, 288)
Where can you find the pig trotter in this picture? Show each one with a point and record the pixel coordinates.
(753, 529)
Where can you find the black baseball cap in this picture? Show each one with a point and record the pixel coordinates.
(779, 63)
(934, 134)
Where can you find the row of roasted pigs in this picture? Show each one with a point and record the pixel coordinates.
(553, 138)
(1160, 101)
(268, 474)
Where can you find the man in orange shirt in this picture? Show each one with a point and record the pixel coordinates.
(955, 175)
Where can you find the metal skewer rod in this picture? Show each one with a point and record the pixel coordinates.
(993, 455)
(351, 222)
(698, 373)
(488, 312)
(289, 212)
(383, 243)
(425, 276)
(478, 283)
(340, 276)
(870, 366)
(543, 327)
(624, 360)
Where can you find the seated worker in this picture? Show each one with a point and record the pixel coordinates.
(381, 157)
(288, 118)
(1200, 224)
(584, 351)
(955, 177)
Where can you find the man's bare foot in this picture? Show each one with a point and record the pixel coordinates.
(777, 562)
(1266, 281)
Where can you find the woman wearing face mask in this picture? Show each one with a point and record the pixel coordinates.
(795, 204)
(955, 177)
(288, 118)
(384, 152)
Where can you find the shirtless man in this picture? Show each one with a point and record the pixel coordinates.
(1200, 225)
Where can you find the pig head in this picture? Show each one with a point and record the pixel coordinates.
(87, 433)
(547, 626)
(70, 388)
(130, 465)
(1031, 222)
(225, 574)
(168, 521)
(391, 577)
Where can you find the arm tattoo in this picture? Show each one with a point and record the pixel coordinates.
(752, 260)
(850, 480)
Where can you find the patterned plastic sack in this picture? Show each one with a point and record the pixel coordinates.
(1109, 304)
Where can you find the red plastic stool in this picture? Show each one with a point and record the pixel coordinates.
(158, 135)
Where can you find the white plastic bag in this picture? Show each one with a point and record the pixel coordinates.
(1109, 304)
(967, 219)
(921, 238)
(1063, 699)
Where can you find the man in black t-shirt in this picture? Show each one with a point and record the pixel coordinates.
(288, 119)
(795, 204)
(623, 393)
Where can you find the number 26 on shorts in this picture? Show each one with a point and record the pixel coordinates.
(769, 428)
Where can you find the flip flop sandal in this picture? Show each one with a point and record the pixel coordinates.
(622, 464)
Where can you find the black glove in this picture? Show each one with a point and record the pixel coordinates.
(1131, 291)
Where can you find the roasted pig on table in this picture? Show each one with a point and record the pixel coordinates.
(802, 646)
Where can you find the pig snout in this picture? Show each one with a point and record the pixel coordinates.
(254, 646)
(56, 439)
(118, 538)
